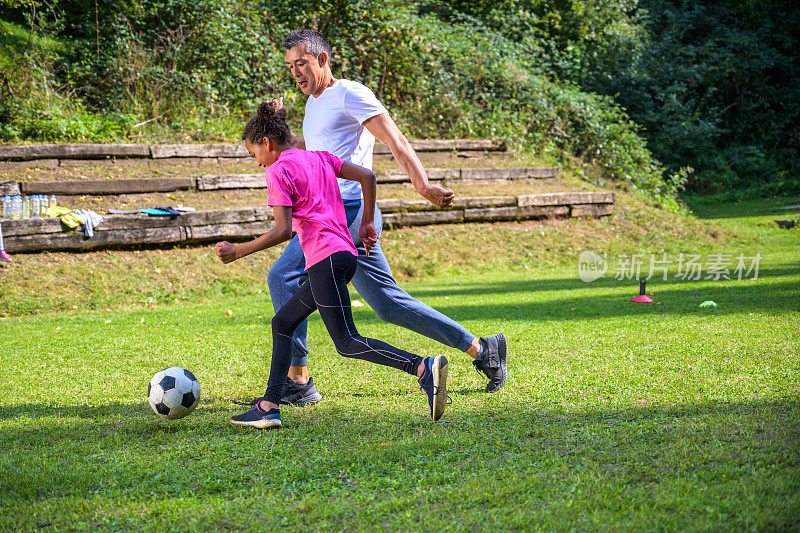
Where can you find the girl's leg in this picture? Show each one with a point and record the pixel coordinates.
(293, 313)
(328, 281)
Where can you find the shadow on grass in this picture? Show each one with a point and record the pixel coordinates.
(723, 462)
(774, 290)
(706, 210)
(782, 416)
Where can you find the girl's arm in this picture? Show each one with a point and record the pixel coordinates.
(281, 232)
(369, 187)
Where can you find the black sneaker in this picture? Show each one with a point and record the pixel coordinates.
(300, 394)
(434, 383)
(257, 418)
(492, 362)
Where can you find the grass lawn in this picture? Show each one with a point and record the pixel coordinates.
(616, 416)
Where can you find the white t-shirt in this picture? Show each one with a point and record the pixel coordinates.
(334, 122)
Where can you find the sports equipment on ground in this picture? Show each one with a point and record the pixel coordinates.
(173, 392)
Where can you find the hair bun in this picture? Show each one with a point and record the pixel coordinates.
(270, 111)
(266, 109)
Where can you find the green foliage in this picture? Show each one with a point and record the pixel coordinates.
(179, 61)
(716, 85)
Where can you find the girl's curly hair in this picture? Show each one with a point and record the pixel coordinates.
(267, 122)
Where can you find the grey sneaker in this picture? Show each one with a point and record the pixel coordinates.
(300, 394)
(492, 362)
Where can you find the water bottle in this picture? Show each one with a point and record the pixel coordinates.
(16, 212)
(36, 206)
(26, 207)
(7, 206)
(52, 207)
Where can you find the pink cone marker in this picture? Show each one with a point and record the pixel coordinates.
(642, 298)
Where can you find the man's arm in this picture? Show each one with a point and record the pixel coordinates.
(385, 130)
(369, 187)
(281, 232)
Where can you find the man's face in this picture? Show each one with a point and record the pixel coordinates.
(308, 71)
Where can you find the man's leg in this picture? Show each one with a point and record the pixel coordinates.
(374, 282)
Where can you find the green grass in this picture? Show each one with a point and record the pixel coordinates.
(616, 416)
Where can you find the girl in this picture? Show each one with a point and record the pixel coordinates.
(303, 193)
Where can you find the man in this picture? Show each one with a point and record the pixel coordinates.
(344, 117)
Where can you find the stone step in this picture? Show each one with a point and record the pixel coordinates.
(46, 154)
(125, 231)
(250, 181)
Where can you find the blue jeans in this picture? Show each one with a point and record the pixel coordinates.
(374, 282)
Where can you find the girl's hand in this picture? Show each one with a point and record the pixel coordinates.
(225, 251)
(277, 102)
(368, 236)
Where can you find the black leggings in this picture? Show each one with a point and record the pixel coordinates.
(326, 290)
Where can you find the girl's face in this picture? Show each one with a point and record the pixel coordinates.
(263, 152)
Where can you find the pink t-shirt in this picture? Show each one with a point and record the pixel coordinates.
(306, 181)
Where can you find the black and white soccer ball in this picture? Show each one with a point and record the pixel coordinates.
(173, 393)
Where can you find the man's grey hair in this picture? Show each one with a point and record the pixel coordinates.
(315, 42)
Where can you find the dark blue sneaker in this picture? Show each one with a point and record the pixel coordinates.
(434, 383)
(258, 418)
(492, 361)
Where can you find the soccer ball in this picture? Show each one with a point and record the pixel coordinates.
(173, 393)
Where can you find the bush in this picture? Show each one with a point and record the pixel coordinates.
(201, 66)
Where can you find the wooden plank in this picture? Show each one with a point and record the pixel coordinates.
(591, 210)
(434, 174)
(445, 145)
(100, 187)
(73, 151)
(431, 217)
(231, 181)
(228, 231)
(416, 205)
(390, 205)
(133, 230)
(32, 226)
(485, 201)
(513, 213)
(74, 240)
(425, 205)
(473, 174)
(9, 187)
(391, 219)
(236, 160)
(543, 212)
(33, 163)
(566, 198)
(490, 213)
(162, 151)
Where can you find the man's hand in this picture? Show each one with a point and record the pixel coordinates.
(225, 251)
(439, 196)
(368, 236)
